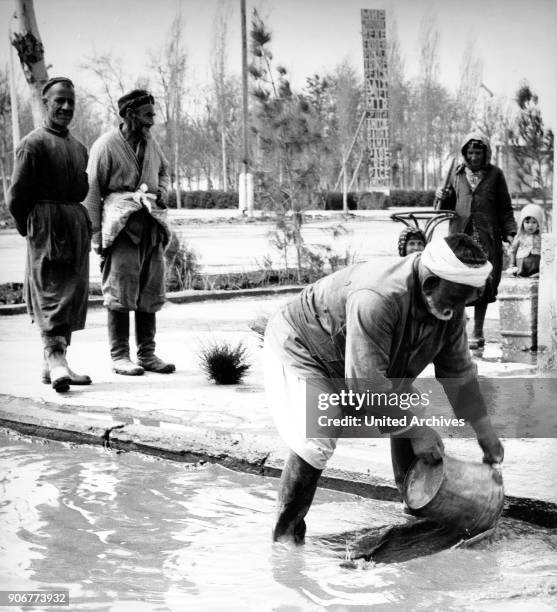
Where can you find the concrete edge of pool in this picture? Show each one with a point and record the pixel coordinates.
(188, 296)
(255, 454)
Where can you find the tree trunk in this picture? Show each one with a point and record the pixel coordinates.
(4, 178)
(27, 42)
(177, 172)
(345, 186)
(224, 160)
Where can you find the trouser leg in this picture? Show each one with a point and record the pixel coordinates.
(55, 358)
(145, 330)
(479, 318)
(119, 338)
(402, 457)
(297, 487)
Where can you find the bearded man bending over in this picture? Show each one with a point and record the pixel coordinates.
(373, 324)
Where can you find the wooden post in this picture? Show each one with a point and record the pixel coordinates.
(27, 42)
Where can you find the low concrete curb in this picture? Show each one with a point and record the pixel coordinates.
(181, 297)
(255, 454)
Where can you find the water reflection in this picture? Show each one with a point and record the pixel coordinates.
(124, 531)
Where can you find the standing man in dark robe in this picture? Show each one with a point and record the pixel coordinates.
(374, 329)
(128, 185)
(48, 183)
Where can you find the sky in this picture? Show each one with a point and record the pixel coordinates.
(514, 38)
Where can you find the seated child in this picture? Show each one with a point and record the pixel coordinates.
(526, 247)
(411, 240)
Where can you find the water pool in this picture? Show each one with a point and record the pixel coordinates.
(123, 531)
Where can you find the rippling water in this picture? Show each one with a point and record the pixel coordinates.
(129, 532)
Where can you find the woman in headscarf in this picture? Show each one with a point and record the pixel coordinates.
(478, 193)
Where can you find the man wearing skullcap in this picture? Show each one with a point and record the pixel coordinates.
(48, 184)
(128, 185)
(478, 192)
(374, 326)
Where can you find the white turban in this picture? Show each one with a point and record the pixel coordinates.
(439, 258)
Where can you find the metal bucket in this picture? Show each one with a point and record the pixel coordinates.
(465, 496)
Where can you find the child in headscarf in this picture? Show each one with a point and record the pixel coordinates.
(526, 247)
(411, 240)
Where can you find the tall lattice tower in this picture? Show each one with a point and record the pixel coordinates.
(374, 40)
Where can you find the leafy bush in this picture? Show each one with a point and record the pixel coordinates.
(375, 200)
(182, 266)
(332, 200)
(224, 363)
(205, 199)
(409, 199)
(11, 293)
(327, 200)
(372, 200)
(6, 219)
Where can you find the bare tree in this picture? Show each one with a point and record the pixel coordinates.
(219, 55)
(347, 93)
(169, 65)
(27, 42)
(399, 99)
(288, 131)
(532, 144)
(471, 71)
(5, 132)
(428, 80)
(493, 118)
(109, 74)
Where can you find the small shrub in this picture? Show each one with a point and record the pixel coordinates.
(372, 200)
(211, 198)
(224, 363)
(182, 265)
(6, 219)
(410, 198)
(332, 200)
(11, 293)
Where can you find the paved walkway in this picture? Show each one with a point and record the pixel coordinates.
(184, 416)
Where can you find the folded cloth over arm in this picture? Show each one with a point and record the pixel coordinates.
(118, 207)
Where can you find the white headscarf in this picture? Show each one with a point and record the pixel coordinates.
(439, 258)
(531, 210)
